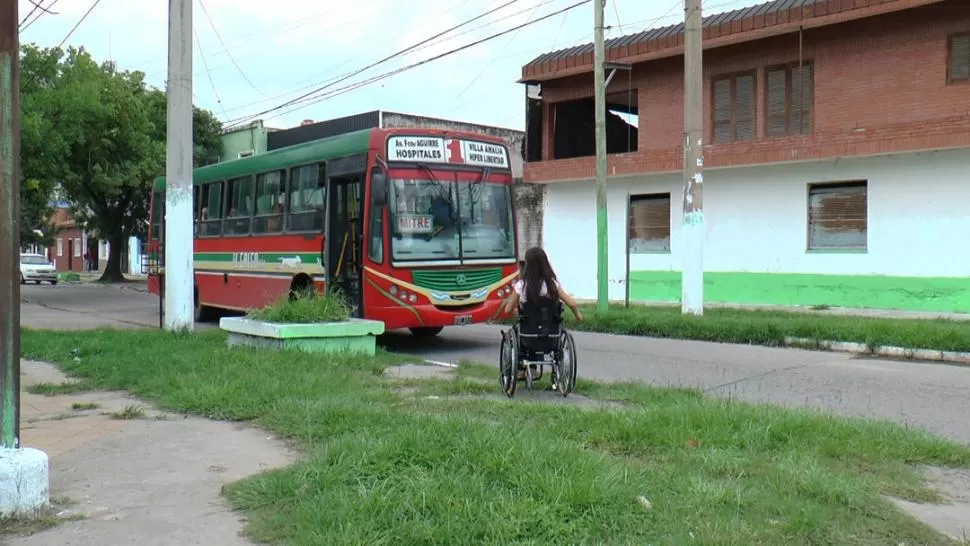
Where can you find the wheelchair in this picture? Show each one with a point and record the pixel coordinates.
(538, 338)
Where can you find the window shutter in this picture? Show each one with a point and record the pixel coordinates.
(649, 229)
(722, 111)
(838, 216)
(801, 99)
(960, 58)
(776, 125)
(744, 115)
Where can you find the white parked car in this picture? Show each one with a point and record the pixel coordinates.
(36, 268)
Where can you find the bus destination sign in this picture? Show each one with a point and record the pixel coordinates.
(447, 150)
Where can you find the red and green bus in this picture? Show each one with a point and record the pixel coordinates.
(415, 226)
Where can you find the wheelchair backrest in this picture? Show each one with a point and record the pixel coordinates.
(541, 318)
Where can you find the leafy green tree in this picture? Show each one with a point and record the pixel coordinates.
(109, 142)
(41, 147)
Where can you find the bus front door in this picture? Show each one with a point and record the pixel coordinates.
(344, 232)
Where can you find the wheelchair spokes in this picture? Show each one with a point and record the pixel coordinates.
(566, 366)
(508, 363)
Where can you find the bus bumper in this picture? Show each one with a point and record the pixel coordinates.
(430, 316)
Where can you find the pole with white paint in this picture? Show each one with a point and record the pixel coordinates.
(24, 472)
(692, 272)
(599, 86)
(179, 291)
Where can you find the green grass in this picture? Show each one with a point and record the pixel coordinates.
(388, 465)
(54, 389)
(45, 519)
(771, 328)
(305, 307)
(131, 411)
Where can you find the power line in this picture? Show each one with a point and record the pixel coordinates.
(81, 20)
(25, 27)
(558, 32)
(414, 50)
(491, 23)
(231, 58)
(209, 74)
(385, 59)
(492, 60)
(262, 31)
(38, 5)
(346, 89)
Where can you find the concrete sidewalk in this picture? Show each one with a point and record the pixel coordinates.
(129, 474)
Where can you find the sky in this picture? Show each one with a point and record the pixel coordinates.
(250, 56)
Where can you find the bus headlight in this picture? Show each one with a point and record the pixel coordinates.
(412, 298)
(392, 290)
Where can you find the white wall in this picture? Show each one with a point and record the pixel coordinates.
(919, 215)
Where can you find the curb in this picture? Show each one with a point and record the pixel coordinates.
(929, 355)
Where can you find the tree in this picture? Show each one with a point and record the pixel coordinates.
(41, 146)
(110, 141)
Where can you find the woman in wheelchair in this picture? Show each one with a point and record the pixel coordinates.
(538, 285)
(538, 280)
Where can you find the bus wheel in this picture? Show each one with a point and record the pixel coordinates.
(203, 313)
(427, 331)
(302, 285)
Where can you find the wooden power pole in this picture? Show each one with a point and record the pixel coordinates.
(692, 271)
(602, 227)
(9, 224)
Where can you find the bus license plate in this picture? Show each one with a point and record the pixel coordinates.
(461, 320)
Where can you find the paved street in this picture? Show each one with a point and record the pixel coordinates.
(932, 396)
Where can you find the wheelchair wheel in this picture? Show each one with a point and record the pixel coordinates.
(507, 364)
(566, 372)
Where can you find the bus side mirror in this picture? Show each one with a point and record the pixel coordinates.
(378, 188)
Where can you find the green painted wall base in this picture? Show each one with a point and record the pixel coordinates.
(937, 294)
(355, 336)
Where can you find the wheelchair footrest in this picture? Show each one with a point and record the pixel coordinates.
(534, 369)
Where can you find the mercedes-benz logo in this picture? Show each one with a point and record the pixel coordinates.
(460, 279)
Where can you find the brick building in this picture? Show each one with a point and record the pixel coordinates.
(70, 243)
(837, 145)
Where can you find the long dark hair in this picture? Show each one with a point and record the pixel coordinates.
(538, 271)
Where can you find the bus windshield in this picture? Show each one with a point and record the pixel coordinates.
(450, 216)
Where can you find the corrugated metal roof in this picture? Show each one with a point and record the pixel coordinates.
(716, 19)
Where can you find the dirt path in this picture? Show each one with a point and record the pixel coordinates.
(128, 474)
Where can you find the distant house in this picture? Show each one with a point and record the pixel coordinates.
(70, 243)
(244, 141)
(72, 246)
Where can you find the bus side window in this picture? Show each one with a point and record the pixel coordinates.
(375, 227)
(270, 197)
(196, 207)
(158, 214)
(239, 208)
(210, 215)
(306, 195)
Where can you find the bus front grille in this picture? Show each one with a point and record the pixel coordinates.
(456, 280)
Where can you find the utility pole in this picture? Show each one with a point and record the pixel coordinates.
(602, 227)
(24, 472)
(692, 271)
(179, 295)
(9, 224)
